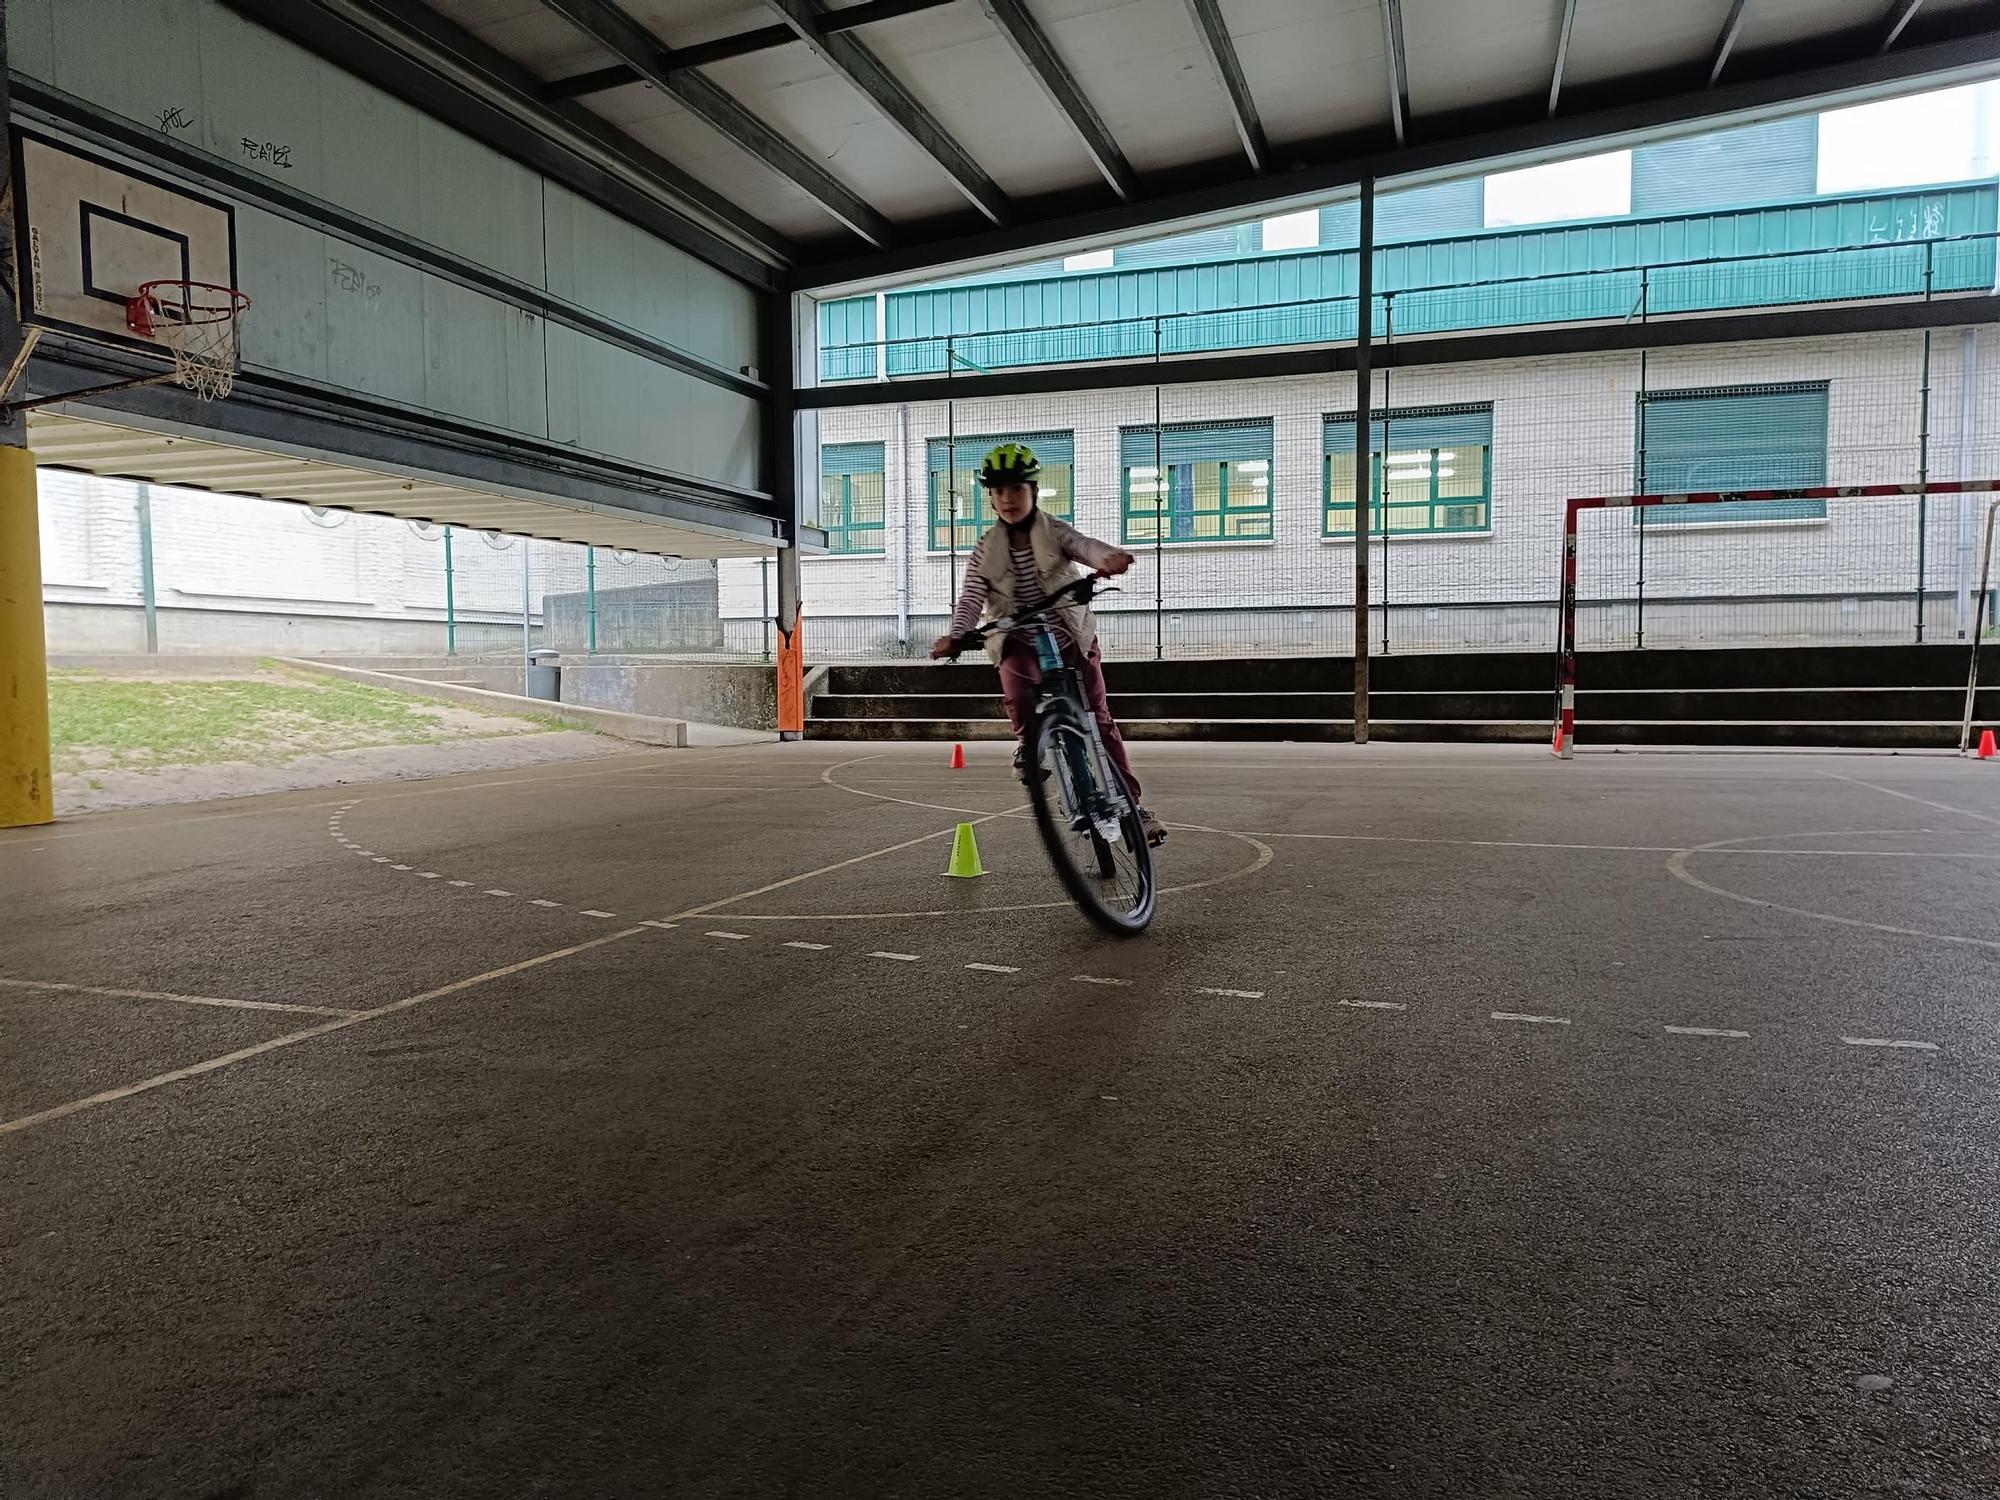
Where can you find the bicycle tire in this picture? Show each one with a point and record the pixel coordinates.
(1125, 916)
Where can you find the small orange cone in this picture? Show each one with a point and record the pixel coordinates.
(1986, 747)
(958, 757)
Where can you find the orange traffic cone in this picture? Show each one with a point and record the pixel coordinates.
(958, 757)
(1986, 747)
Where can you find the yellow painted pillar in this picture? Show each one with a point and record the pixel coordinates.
(25, 794)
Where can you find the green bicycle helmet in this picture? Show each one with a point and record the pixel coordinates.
(1010, 463)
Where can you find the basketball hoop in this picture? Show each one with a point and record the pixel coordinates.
(196, 321)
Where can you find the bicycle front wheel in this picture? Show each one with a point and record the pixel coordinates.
(1089, 822)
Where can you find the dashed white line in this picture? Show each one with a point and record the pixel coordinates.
(993, 968)
(383, 859)
(369, 852)
(1099, 979)
(399, 867)
(597, 914)
(1707, 1031)
(499, 893)
(1376, 1004)
(663, 926)
(460, 883)
(1510, 1015)
(810, 947)
(428, 875)
(1232, 994)
(118, 994)
(901, 958)
(733, 937)
(1879, 1041)
(539, 901)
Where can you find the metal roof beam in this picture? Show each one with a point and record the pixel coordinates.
(1562, 53)
(1229, 71)
(1399, 81)
(728, 48)
(862, 69)
(1726, 42)
(1900, 16)
(1614, 112)
(624, 38)
(1032, 45)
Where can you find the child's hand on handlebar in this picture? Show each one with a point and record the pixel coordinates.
(944, 646)
(1117, 563)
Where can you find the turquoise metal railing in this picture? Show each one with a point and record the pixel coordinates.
(1908, 244)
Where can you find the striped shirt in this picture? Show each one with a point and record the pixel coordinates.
(1028, 590)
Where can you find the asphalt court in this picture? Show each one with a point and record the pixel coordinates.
(718, 1143)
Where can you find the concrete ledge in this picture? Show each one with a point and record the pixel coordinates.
(646, 729)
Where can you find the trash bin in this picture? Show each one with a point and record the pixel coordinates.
(544, 676)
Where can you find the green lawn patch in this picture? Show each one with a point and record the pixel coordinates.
(98, 722)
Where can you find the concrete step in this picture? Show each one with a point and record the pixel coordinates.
(1846, 734)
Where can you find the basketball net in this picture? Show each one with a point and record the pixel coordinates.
(196, 322)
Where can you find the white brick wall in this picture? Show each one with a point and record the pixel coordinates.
(1561, 427)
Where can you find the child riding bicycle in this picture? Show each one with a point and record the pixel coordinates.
(1019, 565)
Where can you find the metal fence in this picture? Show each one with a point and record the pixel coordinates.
(1237, 496)
(136, 567)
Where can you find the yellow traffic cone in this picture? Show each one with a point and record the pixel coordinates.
(964, 855)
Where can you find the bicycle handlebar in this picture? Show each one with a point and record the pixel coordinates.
(1085, 589)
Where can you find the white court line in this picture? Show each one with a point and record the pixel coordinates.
(243, 1054)
(1878, 1041)
(91, 989)
(1376, 1004)
(993, 968)
(539, 901)
(597, 914)
(1233, 994)
(428, 875)
(1098, 979)
(399, 867)
(1509, 1015)
(460, 883)
(383, 859)
(733, 937)
(1707, 1031)
(499, 893)
(810, 947)
(901, 958)
(1963, 812)
(662, 926)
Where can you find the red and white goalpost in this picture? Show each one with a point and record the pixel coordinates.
(1565, 714)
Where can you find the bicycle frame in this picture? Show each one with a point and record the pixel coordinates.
(1062, 689)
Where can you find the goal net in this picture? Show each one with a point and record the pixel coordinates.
(1827, 565)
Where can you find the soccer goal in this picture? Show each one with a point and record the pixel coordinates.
(1826, 565)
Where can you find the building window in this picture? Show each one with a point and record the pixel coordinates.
(1439, 463)
(850, 496)
(1768, 437)
(958, 490)
(1197, 482)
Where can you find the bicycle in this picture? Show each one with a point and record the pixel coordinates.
(1086, 814)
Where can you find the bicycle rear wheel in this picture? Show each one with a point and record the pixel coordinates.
(1089, 823)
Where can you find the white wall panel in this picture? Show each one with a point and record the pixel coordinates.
(261, 101)
(282, 265)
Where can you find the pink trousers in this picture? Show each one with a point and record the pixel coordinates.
(1021, 675)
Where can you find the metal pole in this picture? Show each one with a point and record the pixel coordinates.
(1972, 668)
(527, 642)
(1639, 628)
(1364, 302)
(143, 503)
(1923, 463)
(1388, 364)
(450, 601)
(590, 590)
(1159, 512)
(951, 492)
(764, 577)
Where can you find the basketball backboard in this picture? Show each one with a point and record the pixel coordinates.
(91, 231)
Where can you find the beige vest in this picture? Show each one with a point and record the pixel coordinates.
(990, 561)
